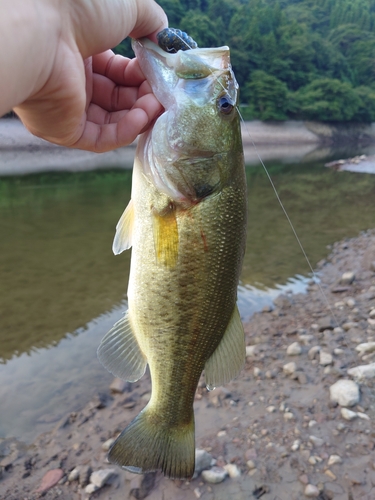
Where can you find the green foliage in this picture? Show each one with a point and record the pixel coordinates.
(328, 99)
(266, 96)
(299, 58)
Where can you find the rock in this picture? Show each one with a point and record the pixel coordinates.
(362, 372)
(107, 444)
(347, 278)
(311, 491)
(325, 324)
(316, 441)
(271, 409)
(250, 350)
(50, 479)
(73, 475)
(102, 477)
(214, 475)
(365, 347)
(362, 415)
(141, 486)
(345, 392)
(289, 368)
(350, 302)
(257, 371)
(325, 358)
(313, 352)
(348, 414)
(91, 488)
(334, 459)
(84, 475)
(294, 349)
(251, 464)
(232, 470)
(203, 461)
(119, 386)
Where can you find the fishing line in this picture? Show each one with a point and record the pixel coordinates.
(316, 279)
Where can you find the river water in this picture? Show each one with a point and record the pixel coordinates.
(61, 288)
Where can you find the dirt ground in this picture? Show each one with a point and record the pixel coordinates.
(276, 432)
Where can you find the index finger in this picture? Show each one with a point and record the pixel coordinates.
(119, 69)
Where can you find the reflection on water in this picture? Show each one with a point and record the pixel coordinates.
(61, 284)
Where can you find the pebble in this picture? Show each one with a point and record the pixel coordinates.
(365, 347)
(325, 324)
(50, 479)
(251, 464)
(313, 352)
(348, 414)
(73, 475)
(312, 423)
(203, 461)
(350, 302)
(257, 372)
(334, 459)
(102, 477)
(316, 441)
(250, 350)
(325, 358)
(288, 415)
(294, 349)
(338, 330)
(214, 475)
(289, 368)
(295, 445)
(311, 491)
(119, 386)
(91, 488)
(362, 372)
(362, 415)
(233, 470)
(84, 475)
(345, 392)
(338, 351)
(271, 409)
(347, 278)
(107, 444)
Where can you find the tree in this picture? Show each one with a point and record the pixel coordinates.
(266, 96)
(328, 99)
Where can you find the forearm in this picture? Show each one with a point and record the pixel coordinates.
(25, 57)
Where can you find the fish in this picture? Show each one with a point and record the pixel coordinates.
(186, 224)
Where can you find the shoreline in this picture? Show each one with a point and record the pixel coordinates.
(276, 427)
(22, 153)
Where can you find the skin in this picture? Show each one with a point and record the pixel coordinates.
(62, 80)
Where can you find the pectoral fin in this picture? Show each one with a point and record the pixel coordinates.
(120, 353)
(229, 357)
(124, 230)
(166, 238)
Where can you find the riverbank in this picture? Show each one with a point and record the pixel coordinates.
(278, 431)
(21, 153)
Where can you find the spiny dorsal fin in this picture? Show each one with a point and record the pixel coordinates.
(229, 357)
(166, 238)
(120, 353)
(124, 230)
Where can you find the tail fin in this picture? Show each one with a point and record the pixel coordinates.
(148, 444)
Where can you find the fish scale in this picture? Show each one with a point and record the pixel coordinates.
(186, 224)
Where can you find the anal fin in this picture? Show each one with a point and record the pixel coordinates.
(229, 357)
(120, 353)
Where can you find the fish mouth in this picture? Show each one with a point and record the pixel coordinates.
(163, 70)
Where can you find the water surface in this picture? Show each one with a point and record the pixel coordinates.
(61, 288)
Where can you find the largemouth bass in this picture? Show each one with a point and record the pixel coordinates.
(186, 223)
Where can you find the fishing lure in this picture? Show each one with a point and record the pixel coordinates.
(172, 40)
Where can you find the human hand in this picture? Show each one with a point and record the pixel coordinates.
(94, 102)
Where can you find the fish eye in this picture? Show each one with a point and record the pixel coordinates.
(225, 104)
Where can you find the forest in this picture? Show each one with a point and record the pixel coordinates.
(293, 59)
